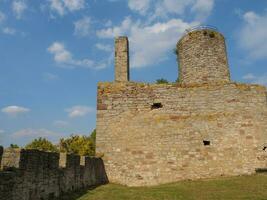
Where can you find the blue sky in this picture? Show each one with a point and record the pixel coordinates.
(53, 53)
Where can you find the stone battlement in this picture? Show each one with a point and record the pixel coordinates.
(33, 174)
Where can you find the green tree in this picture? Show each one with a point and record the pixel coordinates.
(82, 145)
(42, 144)
(93, 139)
(14, 146)
(161, 81)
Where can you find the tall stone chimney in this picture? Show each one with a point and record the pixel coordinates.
(122, 59)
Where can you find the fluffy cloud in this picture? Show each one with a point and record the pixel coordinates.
(64, 6)
(140, 6)
(9, 31)
(200, 9)
(104, 47)
(79, 111)
(15, 110)
(63, 57)
(82, 27)
(2, 17)
(253, 35)
(261, 79)
(149, 44)
(18, 7)
(152, 41)
(35, 133)
(116, 30)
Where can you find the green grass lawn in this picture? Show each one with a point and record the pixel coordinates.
(245, 187)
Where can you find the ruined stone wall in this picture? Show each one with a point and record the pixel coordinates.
(32, 174)
(202, 57)
(153, 134)
(121, 59)
(1, 153)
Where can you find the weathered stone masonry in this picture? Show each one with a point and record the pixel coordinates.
(121, 59)
(36, 175)
(203, 58)
(206, 126)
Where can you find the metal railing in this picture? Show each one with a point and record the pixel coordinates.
(202, 27)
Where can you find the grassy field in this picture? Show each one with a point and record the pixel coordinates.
(245, 187)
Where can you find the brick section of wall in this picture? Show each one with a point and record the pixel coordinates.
(121, 59)
(152, 134)
(202, 58)
(32, 174)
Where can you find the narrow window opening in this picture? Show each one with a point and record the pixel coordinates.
(264, 148)
(206, 142)
(156, 106)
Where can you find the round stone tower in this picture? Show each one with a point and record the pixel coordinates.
(202, 57)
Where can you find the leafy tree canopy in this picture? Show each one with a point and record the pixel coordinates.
(161, 81)
(41, 144)
(77, 144)
(14, 146)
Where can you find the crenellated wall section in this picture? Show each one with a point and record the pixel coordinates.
(32, 174)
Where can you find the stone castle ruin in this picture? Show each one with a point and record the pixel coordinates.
(204, 126)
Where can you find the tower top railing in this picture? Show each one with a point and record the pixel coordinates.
(202, 27)
(197, 28)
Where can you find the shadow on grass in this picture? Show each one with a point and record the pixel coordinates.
(74, 195)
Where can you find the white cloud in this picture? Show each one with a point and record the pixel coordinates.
(63, 6)
(9, 31)
(149, 44)
(63, 57)
(104, 47)
(73, 5)
(15, 110)
(253, 35)
(79, 111)
(153, 41)
(202, 9)
(116, 30)
(82, 27)
(249, 76)
(140, 6)
(60, 123)
(35, 133)
(199, 9)
(2, 17)
(18, 7)
(165, 7)
(261, 79)
(57, 6)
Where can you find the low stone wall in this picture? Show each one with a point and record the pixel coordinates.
(34, 175)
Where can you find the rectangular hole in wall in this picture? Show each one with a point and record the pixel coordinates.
(156, 106)
(264, 148)
(206, 142)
